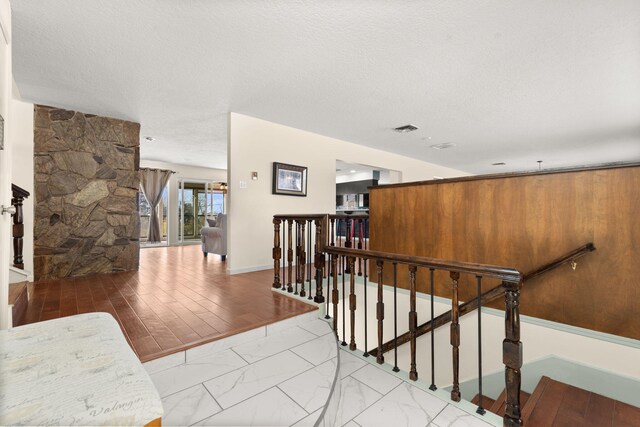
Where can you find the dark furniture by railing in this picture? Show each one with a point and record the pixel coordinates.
(17, 198)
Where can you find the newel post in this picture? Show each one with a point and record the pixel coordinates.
(512, 354)
(17, 198)
(277, 253)
(319, 260)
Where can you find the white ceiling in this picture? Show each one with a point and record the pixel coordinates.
(506, 81)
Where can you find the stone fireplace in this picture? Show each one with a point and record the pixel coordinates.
(86, 187)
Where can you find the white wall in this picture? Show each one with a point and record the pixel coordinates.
(352, 177)
(22, 171)
(5, 158)
(540, 338)
(254, 144)
(182, 172)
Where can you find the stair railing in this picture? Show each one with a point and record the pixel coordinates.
(298, 242)
(511, 283)
(295, 239)
(18, 195)
(339, 245)
(486, 297)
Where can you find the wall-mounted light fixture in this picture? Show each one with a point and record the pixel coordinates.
(254, 176)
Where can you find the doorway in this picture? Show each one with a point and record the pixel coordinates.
(197, 201)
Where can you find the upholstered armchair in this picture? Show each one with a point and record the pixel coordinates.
(214, 236)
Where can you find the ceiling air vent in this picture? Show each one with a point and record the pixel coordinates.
(443, 145)
(405, 128)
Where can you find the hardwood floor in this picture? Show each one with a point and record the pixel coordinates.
(177, 300)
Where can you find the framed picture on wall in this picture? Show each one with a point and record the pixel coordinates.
(289, 180)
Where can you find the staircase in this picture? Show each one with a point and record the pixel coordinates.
(556, 404)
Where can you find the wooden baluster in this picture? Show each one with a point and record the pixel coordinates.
(343, 262)
(413, 321)
(359, 246)
(17, 198)
(297, 258)
(311, 265)
(319, 261)
(303, 256)
(334, 292)
(366, 335)
(290, 253)
(276, 253)
(352, 303)
(284, 256)
(326, 311)
(455, 336)
(395, 318)
(480, 409)
(432, 387)
(380, 312)
(512, 354)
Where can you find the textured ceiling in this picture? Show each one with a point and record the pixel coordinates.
(506, 81)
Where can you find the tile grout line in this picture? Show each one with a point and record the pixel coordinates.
(292, 399)
(291, 350)
(202, 382)
(242, 367)
(240, 356)
(373, 403)
(436, 416)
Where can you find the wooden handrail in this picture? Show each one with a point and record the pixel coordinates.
(299, 216)
(503, 273)
(567, 258)
(486, 297)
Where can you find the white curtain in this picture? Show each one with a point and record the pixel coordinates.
(152, 183)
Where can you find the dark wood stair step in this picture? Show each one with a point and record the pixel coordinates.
(498, 406)
(19, 298)
(556, 404)
(486, 401)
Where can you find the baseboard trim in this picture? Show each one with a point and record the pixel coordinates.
(249, 269)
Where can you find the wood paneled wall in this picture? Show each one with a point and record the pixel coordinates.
(524, 221)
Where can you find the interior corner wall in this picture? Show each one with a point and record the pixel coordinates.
(86, 185)
(254, 145)
(22, 171)
(182, 172)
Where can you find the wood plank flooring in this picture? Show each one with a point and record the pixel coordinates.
(177, 300)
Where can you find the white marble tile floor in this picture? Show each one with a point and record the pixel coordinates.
(283, 376)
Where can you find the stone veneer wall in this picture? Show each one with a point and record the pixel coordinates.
(86, 185)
